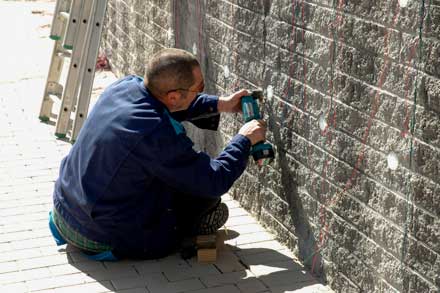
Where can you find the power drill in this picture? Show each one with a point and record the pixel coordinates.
(262, 152)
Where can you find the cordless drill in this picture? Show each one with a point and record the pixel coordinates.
(262, 152)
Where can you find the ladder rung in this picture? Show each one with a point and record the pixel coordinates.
(64, 53)
(65, 16)
(57, 26)
(54, 88)
(54, 98)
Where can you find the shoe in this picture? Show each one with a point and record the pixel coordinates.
(214, 220)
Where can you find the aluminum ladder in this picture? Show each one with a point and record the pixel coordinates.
(76, 29)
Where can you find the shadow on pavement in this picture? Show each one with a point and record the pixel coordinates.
(236, 270)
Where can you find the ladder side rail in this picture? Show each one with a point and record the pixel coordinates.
(74, 19)
(75, 70)
(95, 30)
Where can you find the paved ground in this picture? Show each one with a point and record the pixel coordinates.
(250, 261)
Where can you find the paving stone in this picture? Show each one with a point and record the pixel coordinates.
(267, 256)
(39, 262)
(259, 247)
(241, 220)
(170, 263)
(6, 267)
(227, 278)
(133, 290)
(273, 267)
(15, 288)
(226, 261)
(114, 273)
(222, 289)
(76, 268)
(19, 254)
(237, 212)
(174, 287)
(250, 238)
(94, 287)
(252, 285)
(12, 277)
(176, 274)
(58, 281)
(286, 278)
(129, 283)
(304, 287)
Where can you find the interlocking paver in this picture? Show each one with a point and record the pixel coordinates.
(221, 289)
(128, 283)
(227, 261)
(302, 288)
(227, 278)
(251, 286)
(287, 278)
(134, 290)
(96, 287)
(41, 262)
(174, 287)
(14, 288)
(250, 238)
(58, 281)
(266, 256)
(114, 274)
(258, 247)
(11, 277)
(274, 267)
(87, 267)
(237, 212)
(241, 220)
(176, 274)
(6, 267)
(19, 254)
(251, 260)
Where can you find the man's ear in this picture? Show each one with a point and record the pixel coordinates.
(172, 98)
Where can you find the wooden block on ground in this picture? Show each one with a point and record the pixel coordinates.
(206, 241)
(207, 255)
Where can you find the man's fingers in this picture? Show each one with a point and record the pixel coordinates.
(242, 93)
(262, 122)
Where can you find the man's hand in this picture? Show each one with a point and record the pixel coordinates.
(255, 130)
(231, 103)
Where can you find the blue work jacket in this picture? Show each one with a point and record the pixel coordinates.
(131, 157)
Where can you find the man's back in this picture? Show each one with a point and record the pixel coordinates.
(102, 186)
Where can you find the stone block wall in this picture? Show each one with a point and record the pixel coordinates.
(349, 85)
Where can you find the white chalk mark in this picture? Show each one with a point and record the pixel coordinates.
(226, 71)
(169, 34)
(269, 92)
(403, 3)
(194, 49)
(393, 161)
(322, 122)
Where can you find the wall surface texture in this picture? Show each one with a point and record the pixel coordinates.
(352, 88)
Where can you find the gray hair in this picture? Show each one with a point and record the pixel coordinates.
(170, 69)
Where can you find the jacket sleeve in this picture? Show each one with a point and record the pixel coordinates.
(173, 161)
(202, 112)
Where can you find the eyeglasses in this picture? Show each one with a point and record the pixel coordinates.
(186, 90)
(199, 90)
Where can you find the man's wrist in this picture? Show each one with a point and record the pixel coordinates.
(221, 105)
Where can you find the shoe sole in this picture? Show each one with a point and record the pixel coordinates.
(214, 220)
